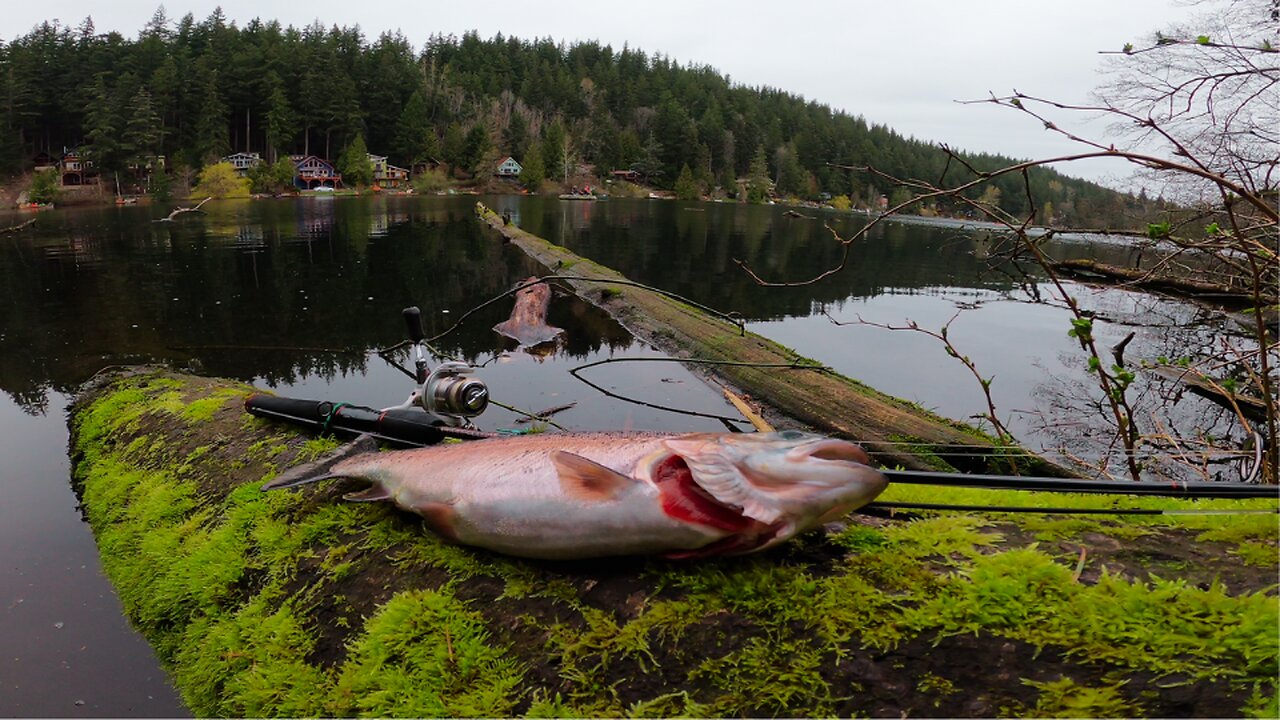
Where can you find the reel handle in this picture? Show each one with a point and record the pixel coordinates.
(413, 321)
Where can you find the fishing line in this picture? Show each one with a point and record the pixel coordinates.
(722, 418)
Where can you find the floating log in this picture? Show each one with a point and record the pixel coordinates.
(895, 432)
(298, 604)
(1093, 270)
(1213, 389)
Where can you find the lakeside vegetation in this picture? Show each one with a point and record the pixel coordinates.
(193, 91)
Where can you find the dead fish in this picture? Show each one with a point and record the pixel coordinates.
(580, 495)
(528, 322)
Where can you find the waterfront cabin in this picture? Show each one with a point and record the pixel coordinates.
(77, 170)
(386, 175)
(44, 161)
(242, 162)
(429, 165)
(313, 172)
(628, 175)
(508, 168)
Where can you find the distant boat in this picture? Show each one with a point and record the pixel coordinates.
(577, 196)
(35, 206)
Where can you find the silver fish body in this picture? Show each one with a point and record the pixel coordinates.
(577, 495)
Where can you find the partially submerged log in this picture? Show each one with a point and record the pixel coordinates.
(895, 432)
(297, 604)
(1216, 391)
(1090, 269)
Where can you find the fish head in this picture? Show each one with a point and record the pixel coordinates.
(789, 481)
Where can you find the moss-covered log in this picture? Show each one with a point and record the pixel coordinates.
(297, 604)
(895, 432)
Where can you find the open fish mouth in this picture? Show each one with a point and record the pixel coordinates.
(831, 450)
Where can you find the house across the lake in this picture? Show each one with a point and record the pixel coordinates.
(508, 168)
(76, 170)
(386, 175)
(313, 172)
(242, 162)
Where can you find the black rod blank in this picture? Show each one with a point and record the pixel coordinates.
(1105, 487)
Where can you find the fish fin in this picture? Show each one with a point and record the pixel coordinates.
(320, 469)
(587, 479)
(506, 329)
(373, 493)
(440, 517)
(716, 474)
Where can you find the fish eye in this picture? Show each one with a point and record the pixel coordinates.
(791, 435)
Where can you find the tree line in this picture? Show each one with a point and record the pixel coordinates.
(195, 90)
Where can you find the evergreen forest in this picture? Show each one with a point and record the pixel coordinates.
(194, 91)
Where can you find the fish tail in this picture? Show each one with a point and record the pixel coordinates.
(322, 469)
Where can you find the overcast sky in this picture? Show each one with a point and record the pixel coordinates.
(900, 63)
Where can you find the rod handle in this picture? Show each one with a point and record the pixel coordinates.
(413, 321)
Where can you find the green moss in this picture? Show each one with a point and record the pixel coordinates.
(249, 663)
(227, 588)
(204, 408)
(426, 654)
(1265, 701)
(675, 704)
(1257, 554)
(769, 677)
(318, 447)
(1066, 699)
(1164, 627)
(931, 684)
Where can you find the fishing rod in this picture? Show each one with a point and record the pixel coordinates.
(890, 506)
(450, 396)
(1074, 485)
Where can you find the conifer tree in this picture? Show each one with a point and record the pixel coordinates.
(686, 186)
(415, 138)
(354, 163)
(534, 171)
(758, 178)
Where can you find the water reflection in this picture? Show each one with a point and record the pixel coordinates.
(281, 290)
(273, 289)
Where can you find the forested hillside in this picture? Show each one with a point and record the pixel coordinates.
(195, 90)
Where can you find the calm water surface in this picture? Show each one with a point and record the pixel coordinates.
(295, 295)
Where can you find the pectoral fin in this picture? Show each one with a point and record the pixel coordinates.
(587, 479)
(373, 493)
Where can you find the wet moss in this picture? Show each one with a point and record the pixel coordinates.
(296, 604)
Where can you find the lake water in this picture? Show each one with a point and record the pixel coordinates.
(295, 295)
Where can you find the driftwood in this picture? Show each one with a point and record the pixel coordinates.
(1145, 279)
(19, 226)
(178, 211)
